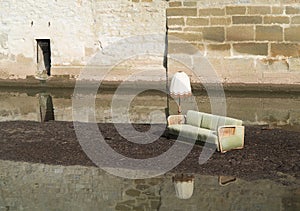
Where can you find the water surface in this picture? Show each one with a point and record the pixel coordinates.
(273, 108)
(26, 186)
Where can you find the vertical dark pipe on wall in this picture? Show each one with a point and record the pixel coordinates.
(165, 64)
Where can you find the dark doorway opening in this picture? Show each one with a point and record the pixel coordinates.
(44, 56)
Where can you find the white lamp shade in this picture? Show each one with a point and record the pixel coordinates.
(184, 189)
(180, 85)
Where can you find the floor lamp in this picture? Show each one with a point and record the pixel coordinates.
(180, 87)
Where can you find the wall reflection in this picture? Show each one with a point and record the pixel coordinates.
(27, 186)
(45, 107)
(253, 108)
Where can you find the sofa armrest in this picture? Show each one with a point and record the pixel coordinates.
(231, 137)
(176, 119)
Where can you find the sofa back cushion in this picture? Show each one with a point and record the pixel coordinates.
(210, 121)
(194, 118)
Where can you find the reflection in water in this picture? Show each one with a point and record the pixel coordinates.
(46, 107)
(253, 108)
(184, 185)
(26, 186)
(225, 180)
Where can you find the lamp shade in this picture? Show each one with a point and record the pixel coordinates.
(180, 85)
(184, 186)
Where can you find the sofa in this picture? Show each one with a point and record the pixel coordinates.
(224, 132)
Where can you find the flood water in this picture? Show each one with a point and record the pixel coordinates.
(27, 186)
(279, 109)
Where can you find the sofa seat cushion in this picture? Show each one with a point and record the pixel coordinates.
(192, 132)
(231, 142)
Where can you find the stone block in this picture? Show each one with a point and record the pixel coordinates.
(274, 64)
(235, 10)
(246, 19)
(269, 33)
(212, 12)
(278, 65)
(175, 65)
(189, 4)
(175, 4)
(174, 29)
(181, 12)
(218, 50)
(251, 48)
(261, 65)
(192, 37)
(240, 33)
(285, 49)
(276, 78)
(223, 21)
(259, 10)
(292, 34)
(277, 10)
(218, 65)
(175, 21)
(295, 20)
(240, 70)
(193, 29)
(218, 47)
(294, 64)
(182, 48)
(147, 0)
(197, 21)
(292, 10)
(214, 34)
(276, 19)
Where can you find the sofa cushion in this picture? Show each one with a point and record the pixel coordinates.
(193, 132)
(184, 130)
(194, 118)
(208, 136)
(209, 121)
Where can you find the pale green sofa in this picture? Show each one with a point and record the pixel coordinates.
(225, 132)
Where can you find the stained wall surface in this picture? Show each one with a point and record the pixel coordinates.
(77, 30)
(244, 41)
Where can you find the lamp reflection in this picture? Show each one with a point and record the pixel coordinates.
(184, 185)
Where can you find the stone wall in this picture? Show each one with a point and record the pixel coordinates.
(77, 31)
(245, 42)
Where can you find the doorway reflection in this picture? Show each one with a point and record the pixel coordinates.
(46, 107)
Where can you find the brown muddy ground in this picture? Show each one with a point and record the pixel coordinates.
(268, 153)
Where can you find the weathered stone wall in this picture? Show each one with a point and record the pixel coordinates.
(77, 31)
(245, 41)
